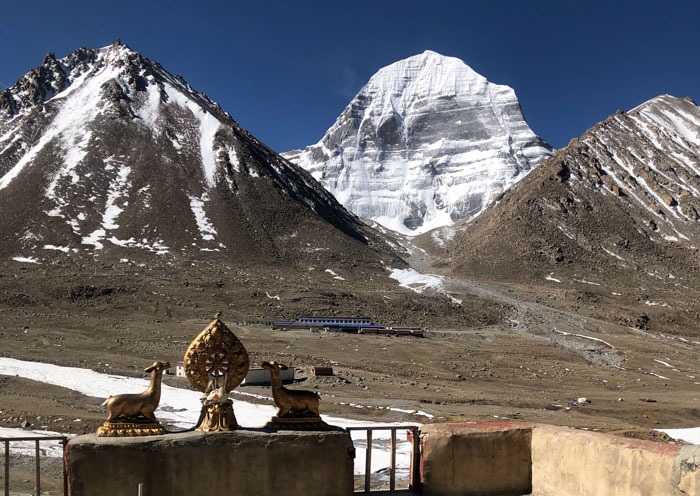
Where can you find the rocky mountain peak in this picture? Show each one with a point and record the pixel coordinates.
(119, 154)
(53, 76)
(49, 57)
(426, 142)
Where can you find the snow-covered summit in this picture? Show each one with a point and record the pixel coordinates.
(425, 142)
(91, 82)
(422, 76)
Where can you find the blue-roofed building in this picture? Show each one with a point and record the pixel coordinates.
(335, 320)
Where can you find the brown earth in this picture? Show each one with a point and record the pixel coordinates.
(507, 352)
(527, 361)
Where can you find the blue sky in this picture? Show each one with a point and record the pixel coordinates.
(286, 69)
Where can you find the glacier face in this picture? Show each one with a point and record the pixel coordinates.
(426, 141)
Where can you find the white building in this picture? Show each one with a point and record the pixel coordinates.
(179, 370)
(261, 377)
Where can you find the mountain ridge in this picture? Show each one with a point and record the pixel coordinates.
(75, 116)
(612, 218)
(117, 178)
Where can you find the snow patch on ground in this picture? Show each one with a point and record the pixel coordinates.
(335, 276)
(26, 259)
(76, 144)
(181, 407)
(584, 337)
(156, 246)
(666, 364)
(64, 249)
(53, 449)
(689, 435)
(441, 236)
(233, 159)
(145, 194)
(206, 229)
(566, 231)
(116, 190)
(94, 238)
(415, 281)
(612, 254)
(208, 126)
(150, 109)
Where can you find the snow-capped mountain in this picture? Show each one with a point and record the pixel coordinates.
(104, 150)
(426, 141)
(616, 212)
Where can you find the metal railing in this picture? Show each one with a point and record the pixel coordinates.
(414, 472)
(37, 454)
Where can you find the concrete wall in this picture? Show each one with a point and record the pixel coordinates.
(241, 463)
(476, 459)
(517, 458)
(569, 461)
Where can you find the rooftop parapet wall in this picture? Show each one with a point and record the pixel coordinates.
(242, 462)
(471, 459)
(519, 458)
(574, 462)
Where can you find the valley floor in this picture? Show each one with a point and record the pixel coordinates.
(532, 365)
(523, 373)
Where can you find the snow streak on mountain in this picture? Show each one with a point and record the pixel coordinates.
(618, 204)
(651, 156)
(104, 149)
(426, 142)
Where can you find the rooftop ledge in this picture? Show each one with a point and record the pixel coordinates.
(517, 458)
(504, 458)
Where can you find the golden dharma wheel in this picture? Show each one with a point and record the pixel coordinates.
(216, 352)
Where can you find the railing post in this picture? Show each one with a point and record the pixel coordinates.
(7, 468)
(392, 463)
(368, 462)
(37, 455)
(64, 441)
(38, 468)
(415, 460)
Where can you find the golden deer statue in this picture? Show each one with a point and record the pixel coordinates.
(290, 402)
(126, 410)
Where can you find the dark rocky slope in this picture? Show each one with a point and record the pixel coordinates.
(609, 222)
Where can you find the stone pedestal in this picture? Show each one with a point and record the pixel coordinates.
(298, 424)
(129, 429)
(241, 462)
